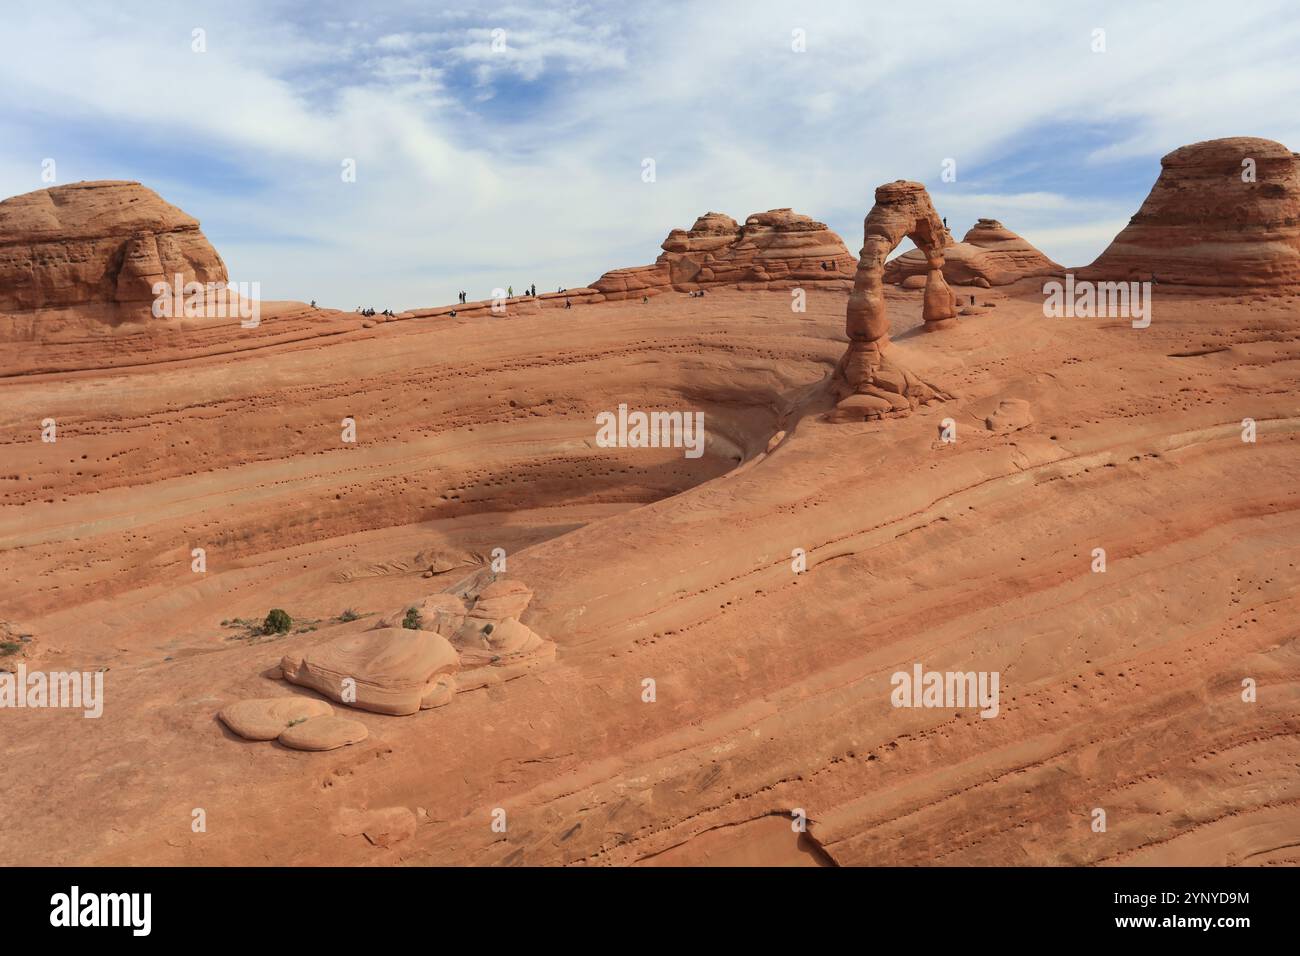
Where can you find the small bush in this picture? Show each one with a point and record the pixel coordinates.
(487, 628)
(9, 647)
(412, 621)
(348, 615)
(277, 622)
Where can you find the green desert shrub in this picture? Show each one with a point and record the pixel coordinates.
(412, 621)
(277, 622)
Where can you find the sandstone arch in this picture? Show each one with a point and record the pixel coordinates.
(868, 385)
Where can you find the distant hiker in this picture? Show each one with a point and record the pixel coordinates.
(568, 304)
(453, 313)
(945, 222)
(645, 299)
(510, 291)
(313, 303)
(533, 290)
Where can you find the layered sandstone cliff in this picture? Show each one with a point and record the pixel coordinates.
(777, 249)
(1224, 213)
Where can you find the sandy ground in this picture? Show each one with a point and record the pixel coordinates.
(1120, 691)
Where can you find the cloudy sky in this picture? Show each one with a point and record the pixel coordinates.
(482, 163)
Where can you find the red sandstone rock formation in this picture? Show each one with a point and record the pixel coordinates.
(394, 670)
(97, 243)
(989, 252)
(1209, 222)
(867, 384)
(777, 249)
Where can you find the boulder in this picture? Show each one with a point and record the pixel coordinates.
(392, 669)
(501, 599)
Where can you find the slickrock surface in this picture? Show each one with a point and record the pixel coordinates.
(989, 254)
(777, 249)
(768, 590)
(93, 244)
(1224, 213)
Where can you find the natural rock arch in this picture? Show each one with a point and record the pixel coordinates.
(867, 384)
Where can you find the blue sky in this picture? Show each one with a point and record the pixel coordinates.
(482, 166)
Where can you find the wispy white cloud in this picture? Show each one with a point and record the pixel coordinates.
(479, 167)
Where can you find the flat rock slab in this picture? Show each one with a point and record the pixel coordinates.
(267, 718)
(324, 733)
